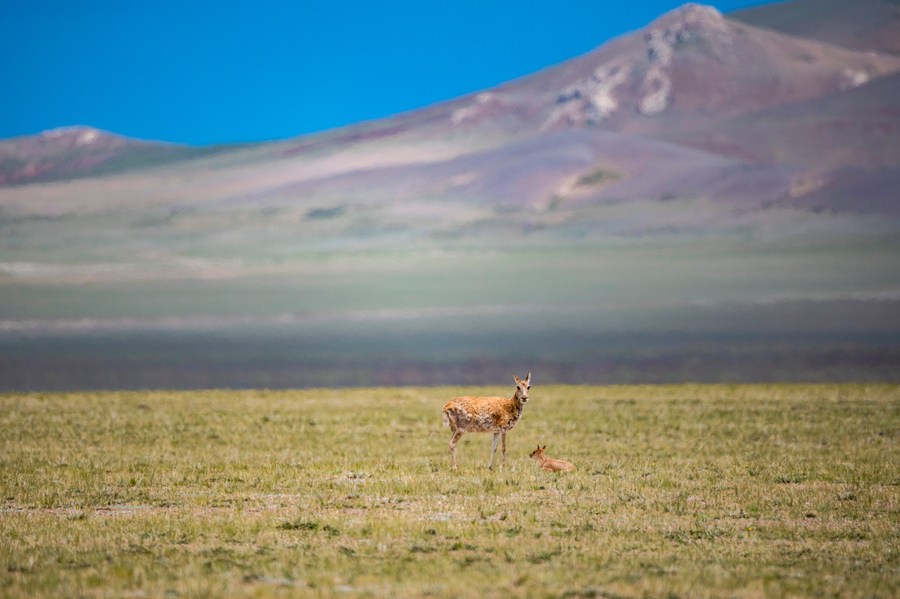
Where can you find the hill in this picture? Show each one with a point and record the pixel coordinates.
(72, 152)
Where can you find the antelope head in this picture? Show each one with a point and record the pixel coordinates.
(522, 388)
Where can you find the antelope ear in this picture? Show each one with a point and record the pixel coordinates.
(528, 378)
(516, 378)
(544, 447)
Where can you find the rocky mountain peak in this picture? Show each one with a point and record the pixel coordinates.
(646, 72)
(77, 136)
(693, 15)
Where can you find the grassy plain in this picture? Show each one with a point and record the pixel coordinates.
(689, 490)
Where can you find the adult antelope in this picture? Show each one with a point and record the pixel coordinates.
(486, 415)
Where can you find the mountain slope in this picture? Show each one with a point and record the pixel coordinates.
(72, 152)
(859, 127)
(856, 24)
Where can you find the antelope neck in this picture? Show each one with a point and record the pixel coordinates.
(519, 403)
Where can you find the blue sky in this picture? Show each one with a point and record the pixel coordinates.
(246, 71)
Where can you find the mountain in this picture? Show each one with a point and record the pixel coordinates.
(712, 189)
(79, 151)
(702, 82)
(691, 65)
(697, 79)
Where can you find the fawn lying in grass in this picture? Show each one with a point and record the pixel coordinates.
(548, 463)
(486, 415)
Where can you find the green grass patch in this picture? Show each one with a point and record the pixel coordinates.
(690, 490)
(325, 213)
(598, 176)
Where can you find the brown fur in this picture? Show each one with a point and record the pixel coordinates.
(497, 415)
(548, 463)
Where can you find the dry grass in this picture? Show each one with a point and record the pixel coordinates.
(700, 491)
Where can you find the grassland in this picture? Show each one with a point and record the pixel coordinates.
(700, 491)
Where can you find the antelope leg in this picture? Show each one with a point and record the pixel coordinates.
(493, 449)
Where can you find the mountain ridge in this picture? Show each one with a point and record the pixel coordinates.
(693, 78)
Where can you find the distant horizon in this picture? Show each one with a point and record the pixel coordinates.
(171, 72)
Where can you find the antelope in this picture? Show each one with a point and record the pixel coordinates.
(548, 463)
(486, 415)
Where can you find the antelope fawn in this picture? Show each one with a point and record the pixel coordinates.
(548, 463)
(486, 415)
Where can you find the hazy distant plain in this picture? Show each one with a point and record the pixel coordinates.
(670, 308)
